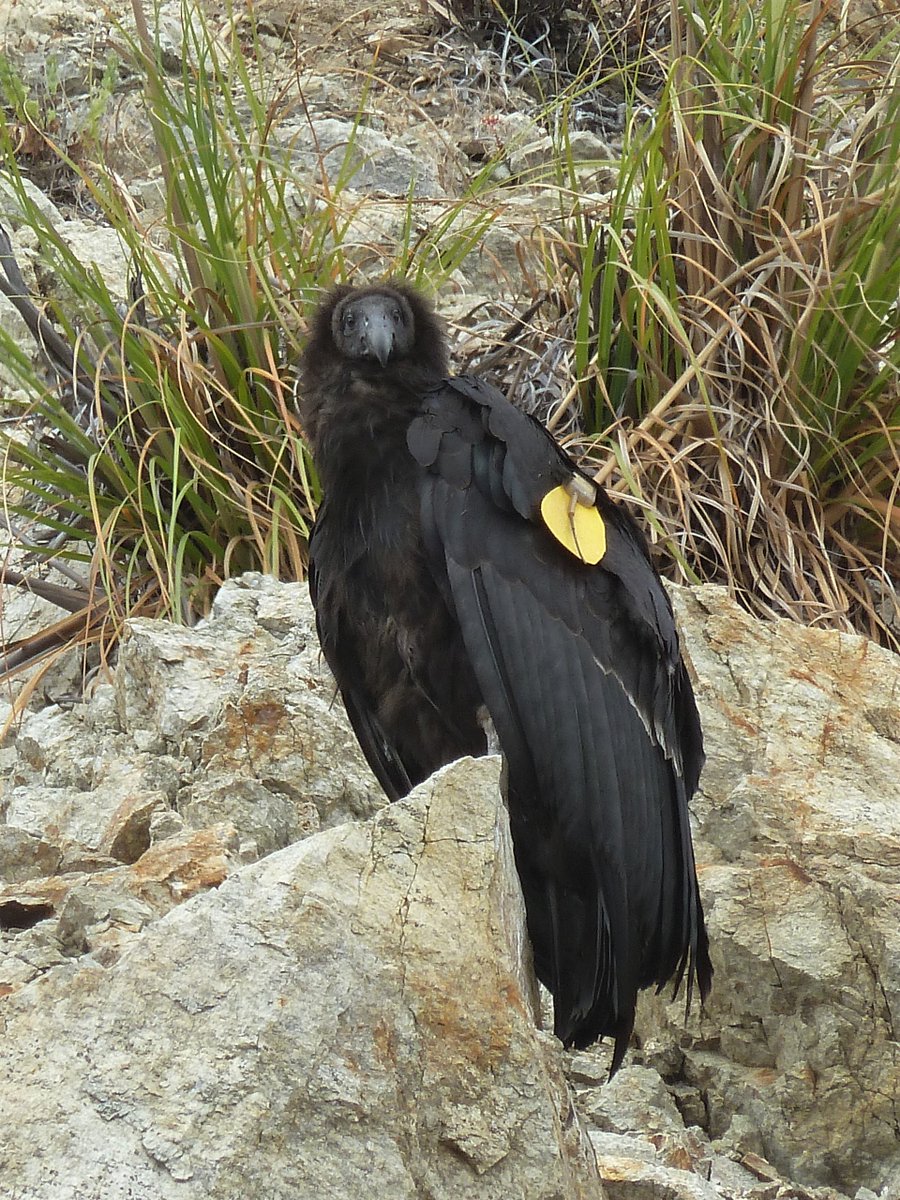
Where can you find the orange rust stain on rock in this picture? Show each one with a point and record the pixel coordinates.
(266, 714)
(248, 728)
(793, 868)
(185, 866)
(805, 677)
(765, 1076)
(677, 1157)
(619, 1170)
(739, 721)
(165, 875)
(477, 1029)
(51, 891)
(384, 1039)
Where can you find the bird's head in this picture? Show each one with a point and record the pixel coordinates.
(387, 334)
(376, 324)
(379, 327)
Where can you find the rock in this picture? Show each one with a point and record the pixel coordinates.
(166, 874)
(642, 1145)
(538, 160)
(798, 847)
(363, 158)
(534, 161)
(100, 249)
(92, 805)
(210, 747)
(372, 227)
(246, 697)
(353, 1008)
(585, 146)
(98, 912)
(634, 1178)
(635, 1098)
(15, 208)
(23, 855)
(33, 22)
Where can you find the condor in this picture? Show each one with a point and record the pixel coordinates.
(471, 584)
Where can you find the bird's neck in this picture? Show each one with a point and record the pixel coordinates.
(363, 442)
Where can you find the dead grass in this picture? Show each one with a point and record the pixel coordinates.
(726, 351)
(720, 345)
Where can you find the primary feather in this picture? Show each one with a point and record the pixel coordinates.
(440, 593)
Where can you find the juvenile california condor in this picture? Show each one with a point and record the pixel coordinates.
(464, 568)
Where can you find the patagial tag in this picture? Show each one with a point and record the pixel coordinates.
(576, 525)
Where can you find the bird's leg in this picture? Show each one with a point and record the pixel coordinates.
(484, 720)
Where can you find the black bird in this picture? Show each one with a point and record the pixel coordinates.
(469, 579)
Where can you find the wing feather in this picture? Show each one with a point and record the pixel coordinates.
(379, 750)
(580, 670)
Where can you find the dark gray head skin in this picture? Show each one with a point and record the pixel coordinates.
(378, 326)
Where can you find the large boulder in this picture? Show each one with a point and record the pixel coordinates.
(357, 1007)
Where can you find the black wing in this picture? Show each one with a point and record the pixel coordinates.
(338, 645)
(392, 643)
(580, 670)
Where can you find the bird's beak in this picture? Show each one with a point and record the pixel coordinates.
(380, 337)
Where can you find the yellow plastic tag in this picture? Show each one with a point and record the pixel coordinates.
(578, 527)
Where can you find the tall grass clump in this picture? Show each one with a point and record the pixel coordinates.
(164, 454)
(737, 324)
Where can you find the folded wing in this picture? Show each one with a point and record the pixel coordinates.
(579, 668)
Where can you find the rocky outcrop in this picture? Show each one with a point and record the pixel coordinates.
(798, 1058)
(355, 1007)
(209, 748)
(172, 1003)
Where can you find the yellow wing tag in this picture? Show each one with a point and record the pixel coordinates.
(576, 525)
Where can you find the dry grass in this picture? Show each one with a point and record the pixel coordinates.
(732, 334)
(722, 346)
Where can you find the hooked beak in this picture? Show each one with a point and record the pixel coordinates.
(379, 337)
